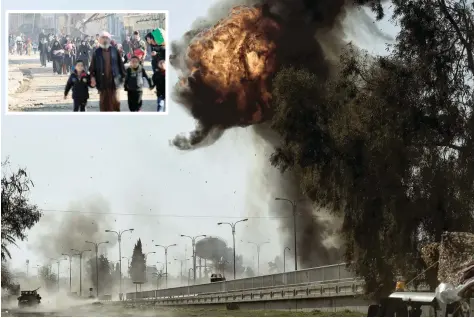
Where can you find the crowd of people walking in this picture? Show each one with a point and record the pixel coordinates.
(21, 45)
(99, 61)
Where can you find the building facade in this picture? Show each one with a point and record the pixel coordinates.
(144, 22)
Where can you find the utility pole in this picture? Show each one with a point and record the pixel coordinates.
(232, 225)
(193, 240)
(58, 260)
(146, 256)
(293, 204)
(166, 260)
(128, 265)
(258, 245)
(70, 270)
(27, 268)
(119, 238)
(79, 253)
(189, 275)
(96, 245)
(284, 258)
(181, 267)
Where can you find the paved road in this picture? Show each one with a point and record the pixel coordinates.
(132, 310)
(32, 88)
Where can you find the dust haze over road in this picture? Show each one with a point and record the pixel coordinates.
(43, 91)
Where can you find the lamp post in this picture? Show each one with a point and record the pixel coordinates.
(158, 276)
(128, 264)
(189, 274)
(37, 270)
(284, 258)
(181, 267)
(232, 226)
(58, 261)
(193, 240)
(96, 245)
(79, 253)
(166, 260)
(293, 204)
(119, 238)
(146, 256)
(70, 270)
(258, 245)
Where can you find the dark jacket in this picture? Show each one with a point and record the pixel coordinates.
(160, 55)
(83, 52)
(97, 68)
(58, 55)
(80, 84)
(134, 79)
(159, 80)
(43, 47)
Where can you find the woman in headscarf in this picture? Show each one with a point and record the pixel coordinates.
(57, 55)
(83, 53)
(107, 73)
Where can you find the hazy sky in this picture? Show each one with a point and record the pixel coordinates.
(128, 161)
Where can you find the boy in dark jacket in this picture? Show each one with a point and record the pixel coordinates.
(80, 82)
(159, 80)
(133, 84)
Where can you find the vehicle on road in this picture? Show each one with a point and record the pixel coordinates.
(217, 278)
(29, 298)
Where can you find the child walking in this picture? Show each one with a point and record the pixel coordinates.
(159, 80)
(133, 84)
(80, 82)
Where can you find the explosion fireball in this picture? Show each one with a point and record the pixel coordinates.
(226, 70)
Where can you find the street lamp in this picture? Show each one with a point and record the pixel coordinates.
(258, 245)
(158, 276)
(293, 204)
(119, 237)
(189, 274)
(57, 260)
(232, 225)
(128, 265)
(193, 240)
(284, 258)
(146, 255)
(181, 268)
(79, 253)
(70, 270)
(96, 245)
(166, 260)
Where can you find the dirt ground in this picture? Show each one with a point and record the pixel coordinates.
(129, 310)
(32, 88)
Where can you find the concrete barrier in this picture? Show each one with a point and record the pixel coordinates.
(330, 273)
(322, 296)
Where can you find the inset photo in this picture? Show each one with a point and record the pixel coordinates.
(67, 61)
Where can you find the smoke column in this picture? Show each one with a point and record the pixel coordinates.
(73, 229)
(226, 65)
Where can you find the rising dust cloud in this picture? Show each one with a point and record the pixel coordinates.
(71, 230)
(226, 65)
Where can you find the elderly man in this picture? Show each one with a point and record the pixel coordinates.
(107, 73)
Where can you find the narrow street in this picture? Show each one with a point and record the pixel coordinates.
(32, 88)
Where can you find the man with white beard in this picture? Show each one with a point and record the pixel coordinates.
(107, 73)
